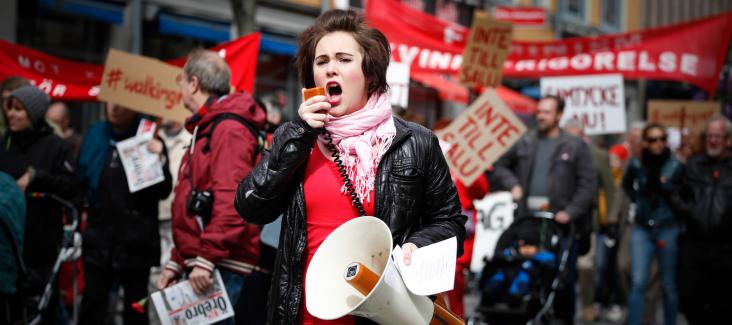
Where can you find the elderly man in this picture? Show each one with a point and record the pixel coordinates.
(704, 199)
(207, 231)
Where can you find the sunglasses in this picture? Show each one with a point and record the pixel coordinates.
(652, 140)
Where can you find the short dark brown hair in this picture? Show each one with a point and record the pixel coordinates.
(558, 100)
(374, 46)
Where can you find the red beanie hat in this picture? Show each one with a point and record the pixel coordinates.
(619, 151)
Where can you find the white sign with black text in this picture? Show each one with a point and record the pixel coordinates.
(598, 101)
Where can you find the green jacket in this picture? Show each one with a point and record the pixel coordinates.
(12, 213)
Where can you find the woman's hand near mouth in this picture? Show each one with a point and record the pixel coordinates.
(314, 110)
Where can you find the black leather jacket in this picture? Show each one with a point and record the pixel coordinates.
(415, 197)
(704, 198)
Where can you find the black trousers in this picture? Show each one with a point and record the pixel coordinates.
(704, 282)
(98, 283)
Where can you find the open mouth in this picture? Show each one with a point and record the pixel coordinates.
(334, 93)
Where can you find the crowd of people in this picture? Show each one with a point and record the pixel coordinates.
(640, 221)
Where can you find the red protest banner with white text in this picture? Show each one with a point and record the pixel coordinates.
(70, 80)
(59, 78)
(597, 101)
(480, 135)
(691, 52)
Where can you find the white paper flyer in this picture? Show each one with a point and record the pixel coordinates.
(179, 305)
(142, 167)
(432, 269)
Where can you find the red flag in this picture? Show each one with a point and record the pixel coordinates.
(70, 80)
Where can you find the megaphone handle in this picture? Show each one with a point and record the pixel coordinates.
(442, 316)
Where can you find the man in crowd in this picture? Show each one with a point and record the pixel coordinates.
(121, 241)
(703, 200)
(207, 231)
(58, 113)
(595, 261)
(550, 170)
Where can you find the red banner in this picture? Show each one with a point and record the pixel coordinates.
(691, 52)
(521, 16)
(69, 80)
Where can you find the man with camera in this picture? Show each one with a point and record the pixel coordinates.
(207, 231)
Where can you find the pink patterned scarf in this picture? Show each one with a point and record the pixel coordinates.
(362, 138)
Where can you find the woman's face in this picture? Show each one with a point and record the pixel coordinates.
(655, 141)
(18, 119)
(337, 68)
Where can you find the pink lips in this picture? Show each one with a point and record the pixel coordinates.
(333, 100)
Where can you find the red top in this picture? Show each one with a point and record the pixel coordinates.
(326, 208)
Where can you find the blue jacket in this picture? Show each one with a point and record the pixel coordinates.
(12, 213)
(635, 181)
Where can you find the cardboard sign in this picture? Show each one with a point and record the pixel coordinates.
(598, 101)
(143, 84)
(487, 48)
(495, 214)
(179, 305)
(682, 114)
(480, 135)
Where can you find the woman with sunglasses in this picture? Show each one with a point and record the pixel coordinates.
(648, 182)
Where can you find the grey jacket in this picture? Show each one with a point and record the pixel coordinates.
(572, 180)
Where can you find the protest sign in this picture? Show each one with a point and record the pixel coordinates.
(487, 48)
(142, 167)
(480, 136)
(692, 51)
(143, 84)
(180, 305)
(597, 101)
(681, 114)
(495, 214)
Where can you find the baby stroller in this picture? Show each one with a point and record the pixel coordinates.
(34, 292)
(519, 283)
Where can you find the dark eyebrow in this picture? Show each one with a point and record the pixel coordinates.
(337, 55)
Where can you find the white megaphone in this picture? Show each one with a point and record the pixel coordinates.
(352, 273)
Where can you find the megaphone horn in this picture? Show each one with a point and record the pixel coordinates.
(364, 280)
(371, 286)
